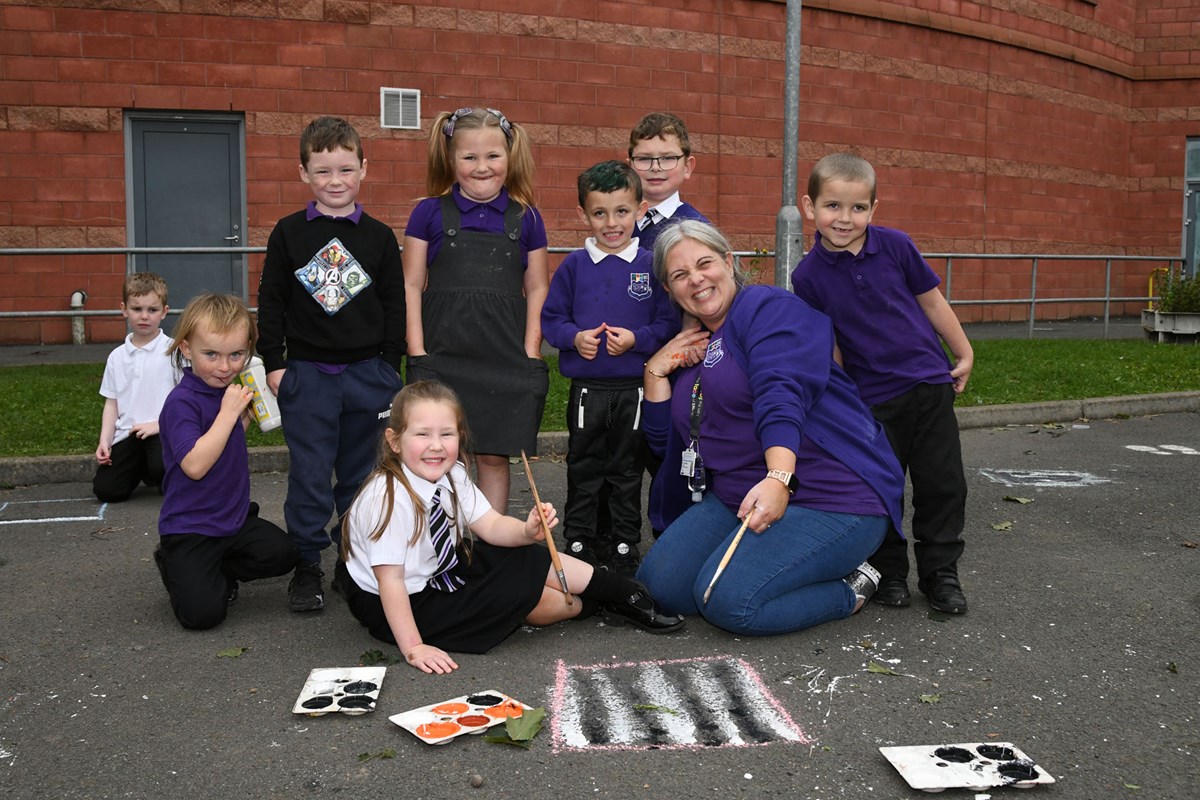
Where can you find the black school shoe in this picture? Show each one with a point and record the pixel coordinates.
(639, 609)
(944, 592)
(586, 550)
(625, 559)
(305, 592)
(893, 591)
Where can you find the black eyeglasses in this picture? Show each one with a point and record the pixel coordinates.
(646, 163)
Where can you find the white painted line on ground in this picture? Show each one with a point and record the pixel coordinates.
(1045, 478)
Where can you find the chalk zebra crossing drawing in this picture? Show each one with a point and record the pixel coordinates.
(662, 705)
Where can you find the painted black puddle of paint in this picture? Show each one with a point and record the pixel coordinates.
(320, 701)
(955, 755)
(996, 752)
(1016, 771)
(356, 701)
(359, 687)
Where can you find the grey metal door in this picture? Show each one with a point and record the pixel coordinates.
(186, 189)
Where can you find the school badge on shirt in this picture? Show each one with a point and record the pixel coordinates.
(714, 353)
(639, 285)
(333, 277)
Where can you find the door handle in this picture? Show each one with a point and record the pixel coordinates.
(234, 238)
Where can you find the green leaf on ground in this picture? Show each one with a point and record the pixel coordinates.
(232, 652)
(520, 730)
(931, 698)
(650, 707)
(363, 757)
(1022, 500)
(1172, 667)
(879, 669)
(1133, 786)
(1003, 526)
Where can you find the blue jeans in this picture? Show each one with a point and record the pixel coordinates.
(785, 579)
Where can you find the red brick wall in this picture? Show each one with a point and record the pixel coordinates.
(996, 126)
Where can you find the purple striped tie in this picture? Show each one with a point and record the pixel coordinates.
(443, 546)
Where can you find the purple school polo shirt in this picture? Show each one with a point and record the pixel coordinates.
(887, 343)
(425, 222)
(217, 504)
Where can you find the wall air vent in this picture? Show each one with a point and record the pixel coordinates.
(400, 108)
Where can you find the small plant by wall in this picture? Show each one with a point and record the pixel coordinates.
(1177, 293)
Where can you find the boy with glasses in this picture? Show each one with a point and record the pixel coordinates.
(662, 155)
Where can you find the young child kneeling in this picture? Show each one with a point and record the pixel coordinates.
(411, 580)
(210, 535)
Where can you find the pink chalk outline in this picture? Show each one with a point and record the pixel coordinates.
(560, 686)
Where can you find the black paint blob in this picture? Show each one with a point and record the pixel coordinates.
(1015, 771)
(320, 701)
(362, 687)
(996, 752)
(356, 701)
(956, 755)
(484, 700)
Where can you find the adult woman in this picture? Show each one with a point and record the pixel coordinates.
(767, 425)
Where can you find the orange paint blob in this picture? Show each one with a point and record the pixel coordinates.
(437, 730)
(509, 708)
(474, 720)
(450, 708)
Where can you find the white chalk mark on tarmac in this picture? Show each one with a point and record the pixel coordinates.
(31, 512)
(1045, 478)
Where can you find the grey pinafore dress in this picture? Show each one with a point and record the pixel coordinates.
(473, 314)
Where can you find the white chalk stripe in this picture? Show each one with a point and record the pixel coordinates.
(623, 727)
(715, 699)
(680, 726)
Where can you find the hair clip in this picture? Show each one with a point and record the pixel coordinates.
(505, 125)
(448, 127)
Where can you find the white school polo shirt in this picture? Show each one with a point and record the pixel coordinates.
(139, 379)
(392, 547)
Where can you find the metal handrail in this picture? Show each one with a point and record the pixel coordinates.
(1032, 299)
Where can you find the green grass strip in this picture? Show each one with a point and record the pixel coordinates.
(55, 409)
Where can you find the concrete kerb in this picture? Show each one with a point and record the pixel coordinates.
(39, 470)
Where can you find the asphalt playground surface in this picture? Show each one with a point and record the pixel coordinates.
(1080, 648)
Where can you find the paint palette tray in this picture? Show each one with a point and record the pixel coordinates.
(348, 690)
(975, 766)
(471, 713)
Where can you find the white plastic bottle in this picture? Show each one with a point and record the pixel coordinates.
(263, 405)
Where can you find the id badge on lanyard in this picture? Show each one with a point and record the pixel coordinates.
(691, 465)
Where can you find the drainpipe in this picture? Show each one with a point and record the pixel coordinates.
(78, 334)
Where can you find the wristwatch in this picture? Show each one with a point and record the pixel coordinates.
(788, 479)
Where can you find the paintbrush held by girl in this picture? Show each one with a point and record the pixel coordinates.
(431, 567)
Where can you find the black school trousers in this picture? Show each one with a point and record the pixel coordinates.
(198, 570)
(134, 460)
(923, 431)
(604, 463)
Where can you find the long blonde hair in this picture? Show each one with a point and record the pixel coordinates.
(446, 125)
(391, 467)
